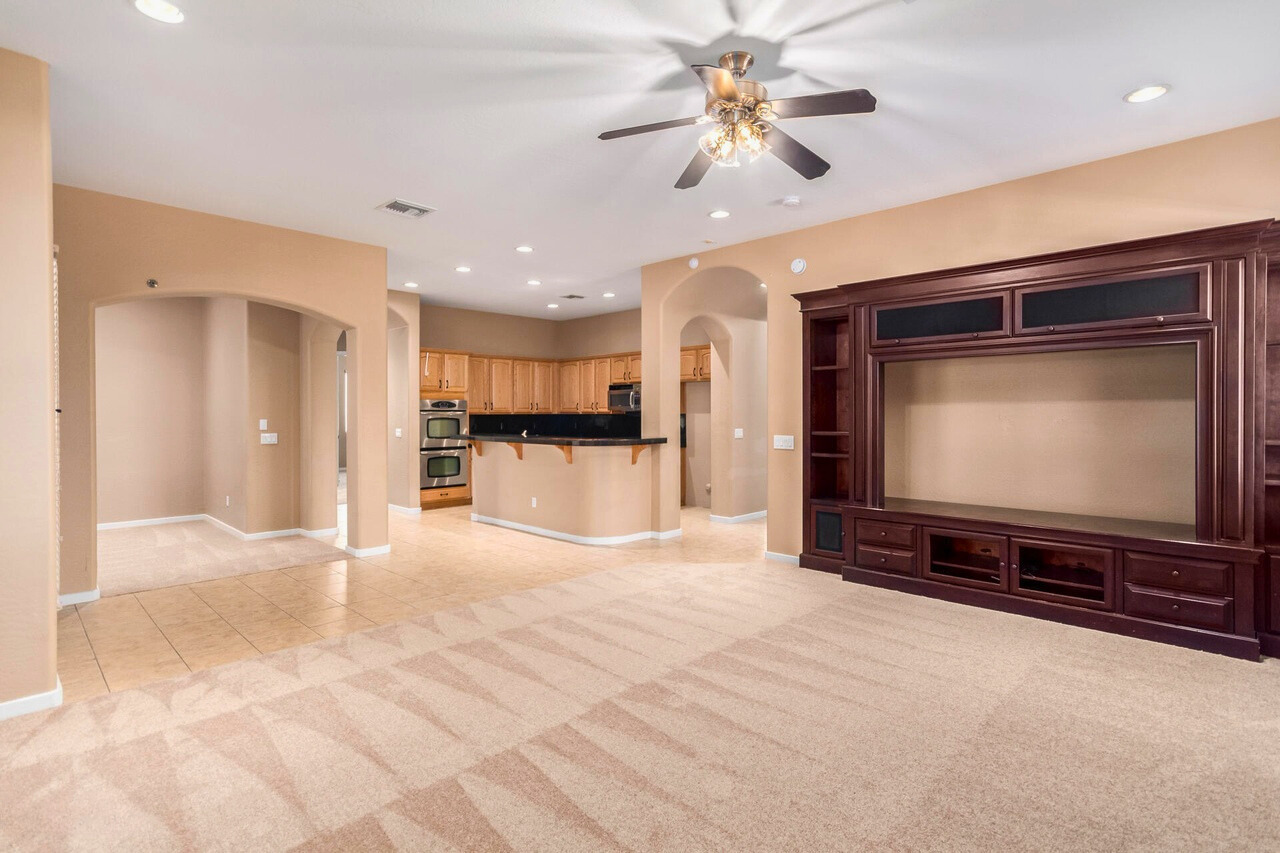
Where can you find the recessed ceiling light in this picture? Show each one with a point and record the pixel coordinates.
(719, 214)
(552, 305)
(524, 250)
(534, 282)
(1147, 93)
(462, 269)
(607, 295)
(411, 284)
(159, 10)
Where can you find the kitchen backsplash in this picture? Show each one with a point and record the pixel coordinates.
(572, 426)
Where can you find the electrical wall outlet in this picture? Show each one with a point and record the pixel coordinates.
(270, 438)
(399, 433)
(737, 433)
(262, 424)
(534, 504)
(228, 500)
(784, 442)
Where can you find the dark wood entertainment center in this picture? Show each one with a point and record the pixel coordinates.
(1212, 585)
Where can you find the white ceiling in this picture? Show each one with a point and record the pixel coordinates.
(310, 113)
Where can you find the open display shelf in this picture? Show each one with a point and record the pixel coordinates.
(827, 442)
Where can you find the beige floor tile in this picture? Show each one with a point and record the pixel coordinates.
(323, 615)
(283, 637)
(384, 611)
(124, 676)
(205, 644)
(353, 592)
(81, 680)
(348, 624)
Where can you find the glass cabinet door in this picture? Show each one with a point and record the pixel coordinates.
(939, 320)
(1176, 297)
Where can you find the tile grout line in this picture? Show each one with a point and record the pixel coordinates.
(264, 598)
(168, 642)
(219, 617)
(96, 663)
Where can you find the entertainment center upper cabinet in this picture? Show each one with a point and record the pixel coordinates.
(1199, 312)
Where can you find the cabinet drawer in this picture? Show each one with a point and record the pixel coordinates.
(884, 559)
(887, 533)
(1177, 573)
(1182, 608)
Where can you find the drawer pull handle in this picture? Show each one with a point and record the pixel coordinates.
(1175, 573)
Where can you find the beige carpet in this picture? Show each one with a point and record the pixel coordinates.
(132, 559)
(673, 707)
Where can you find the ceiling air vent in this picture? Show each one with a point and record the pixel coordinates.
(400, 207)
(572, 296)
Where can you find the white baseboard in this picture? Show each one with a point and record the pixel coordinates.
(368, 552)
(667, 534)
(738, 519)
(406, 510)
(70, 598)
(320, 534)
(30, 704)
(793, 559)
(572, 537)
(147, 522)
(251, 537)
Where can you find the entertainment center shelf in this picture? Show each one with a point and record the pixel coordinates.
(1211, 584)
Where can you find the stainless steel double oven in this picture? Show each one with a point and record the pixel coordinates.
(444, 443)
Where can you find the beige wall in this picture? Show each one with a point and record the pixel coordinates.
(697, 469)
(402, 400)
(27, 581)
(1222, 178)
(317, 434)
(593, 497)
(599, 335)
(272, 479)
(1092, 432)
(151, 409)
(112, 245)
(506, 334)
(226, 444)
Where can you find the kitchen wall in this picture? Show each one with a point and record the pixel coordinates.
(151, 408)
(226, 442)
(28, 589)
(1222, 178)
(488, 333)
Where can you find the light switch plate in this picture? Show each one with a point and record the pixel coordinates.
(737, 433)
(399, 433)
(784, 442)
(270, 438)
(262, 423)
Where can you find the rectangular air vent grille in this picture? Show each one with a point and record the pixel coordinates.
(572, 296)
(400, 207)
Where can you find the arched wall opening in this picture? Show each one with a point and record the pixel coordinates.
(727, 305)
(111, 246)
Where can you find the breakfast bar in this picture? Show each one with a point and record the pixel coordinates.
(593, 491)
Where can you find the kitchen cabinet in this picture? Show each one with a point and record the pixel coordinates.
(695, 363)
(570, 390)
(479, 392)
(443, 371)
(624, 367)
(602, 385)
(501, 384)
(587, 384)
(633, 367)
(543, 386)
(522, 386)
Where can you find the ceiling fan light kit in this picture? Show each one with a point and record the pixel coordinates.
(743, 117)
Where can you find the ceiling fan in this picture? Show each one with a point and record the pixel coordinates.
(743, 117)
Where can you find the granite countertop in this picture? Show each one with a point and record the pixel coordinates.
(567, 440)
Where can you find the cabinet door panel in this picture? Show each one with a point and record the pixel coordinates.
(704, 363)
(500, 387)
(688, 365)
(433, 372)
(1180, 296)
(522, 386)
(454, 370)
(570, 391)
(633, 367)
(479, 400)
(542, 398)
(618, 368)
(602, 385)
(941, 320)
(587, 382)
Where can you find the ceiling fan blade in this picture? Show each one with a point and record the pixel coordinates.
(719, 82)
(828, 104)
(795, 155)
(693, 173)
(649, 128)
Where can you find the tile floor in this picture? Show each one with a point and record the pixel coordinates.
(439, 560)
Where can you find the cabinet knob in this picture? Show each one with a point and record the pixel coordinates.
(1051, 328)
(1159, 319)
(897, 340)
(1002, 564)
(975, 334)
(1175, 608)
(884, 533)
(1014, 567)
(884, 559)
(1175, 573)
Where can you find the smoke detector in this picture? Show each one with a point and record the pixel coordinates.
(400, 207)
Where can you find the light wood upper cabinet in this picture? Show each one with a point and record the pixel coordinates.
(422, 371)
(443, 371)
(543, 383)
(522, 386)
(602, 385)
(479, 393)
(570, 389)
(695, 363)
(501, 384)
(587, 384)
(618, 367)
(633, 367)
